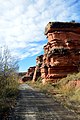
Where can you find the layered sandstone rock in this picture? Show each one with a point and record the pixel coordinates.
(62, 52)
(37, 72)
(29, 74)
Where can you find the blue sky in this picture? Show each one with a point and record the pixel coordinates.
(22, 24)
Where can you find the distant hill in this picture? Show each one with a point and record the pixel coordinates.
(21, 73)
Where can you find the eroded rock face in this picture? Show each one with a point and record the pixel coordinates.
(37, 72)
(29, 74)
(62, 52)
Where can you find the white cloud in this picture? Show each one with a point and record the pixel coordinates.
(22, 22)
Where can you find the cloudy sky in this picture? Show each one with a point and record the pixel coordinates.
(22, 24)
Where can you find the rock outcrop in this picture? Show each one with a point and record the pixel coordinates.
(62, 52)
(37, 72)
(29, 74)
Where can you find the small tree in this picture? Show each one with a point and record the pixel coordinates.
(8, 73)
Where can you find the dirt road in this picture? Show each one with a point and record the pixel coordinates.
(34, 105)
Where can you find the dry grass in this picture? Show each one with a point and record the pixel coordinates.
(68, 94)
(8, 92)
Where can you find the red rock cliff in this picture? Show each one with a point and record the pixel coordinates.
(62, 52)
